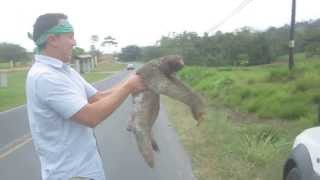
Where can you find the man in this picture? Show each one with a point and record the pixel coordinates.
(63, 108)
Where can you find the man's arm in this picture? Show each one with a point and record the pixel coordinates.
(101, 94)
(104, 104)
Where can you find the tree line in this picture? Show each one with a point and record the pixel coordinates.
(16, 53)
(245, 46)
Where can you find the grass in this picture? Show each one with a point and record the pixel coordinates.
(254, 114)
(14, 94)
(102, 71)
(231, 145)
(269, 91)
(4, 65)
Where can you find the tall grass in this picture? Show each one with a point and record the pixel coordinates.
(231, 146)
(268, 91)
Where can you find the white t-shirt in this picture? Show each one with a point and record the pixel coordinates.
(66, 148)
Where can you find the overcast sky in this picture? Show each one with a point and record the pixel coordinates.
(143, 22)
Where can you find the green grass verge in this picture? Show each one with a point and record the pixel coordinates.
(14, 94)
(231, 145)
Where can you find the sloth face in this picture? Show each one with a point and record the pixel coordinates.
(171, 64)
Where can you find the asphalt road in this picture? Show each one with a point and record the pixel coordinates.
(118, 148)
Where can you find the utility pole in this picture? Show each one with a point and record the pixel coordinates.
(291, 41)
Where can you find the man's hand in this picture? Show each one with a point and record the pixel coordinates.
(135, 83)
(104, 103)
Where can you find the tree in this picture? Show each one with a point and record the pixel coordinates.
(94, 38)
(278, 38)
(259, 50)
(244, 46)
(312, 42)
(13, 52)
(186, 44)
(150, 52)
(130, 53)
(93, 48)
(76, 51)
(109, 40)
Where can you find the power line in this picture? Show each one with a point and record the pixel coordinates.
(241, 6)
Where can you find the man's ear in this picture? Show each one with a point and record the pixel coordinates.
(52, 40)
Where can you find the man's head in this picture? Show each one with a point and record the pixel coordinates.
(53, 35)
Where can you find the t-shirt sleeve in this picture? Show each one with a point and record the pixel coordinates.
(90, 90)
(60, 95)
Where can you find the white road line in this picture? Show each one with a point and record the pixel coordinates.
(12, 109)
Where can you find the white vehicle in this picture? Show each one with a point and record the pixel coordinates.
(303, 162)
(130, 67)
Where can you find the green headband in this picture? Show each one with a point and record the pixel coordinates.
(62, 27)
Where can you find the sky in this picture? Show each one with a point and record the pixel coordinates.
(143, 22)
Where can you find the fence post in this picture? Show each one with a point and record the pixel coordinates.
(77, 65)
(82, 66)
(3, 79)
(95, 60)
(92, 63)
(11, 64)
(87, 66)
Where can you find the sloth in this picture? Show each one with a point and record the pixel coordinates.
(159, 78)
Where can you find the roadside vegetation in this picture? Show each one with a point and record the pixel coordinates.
(254, 114)
(269, 91)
